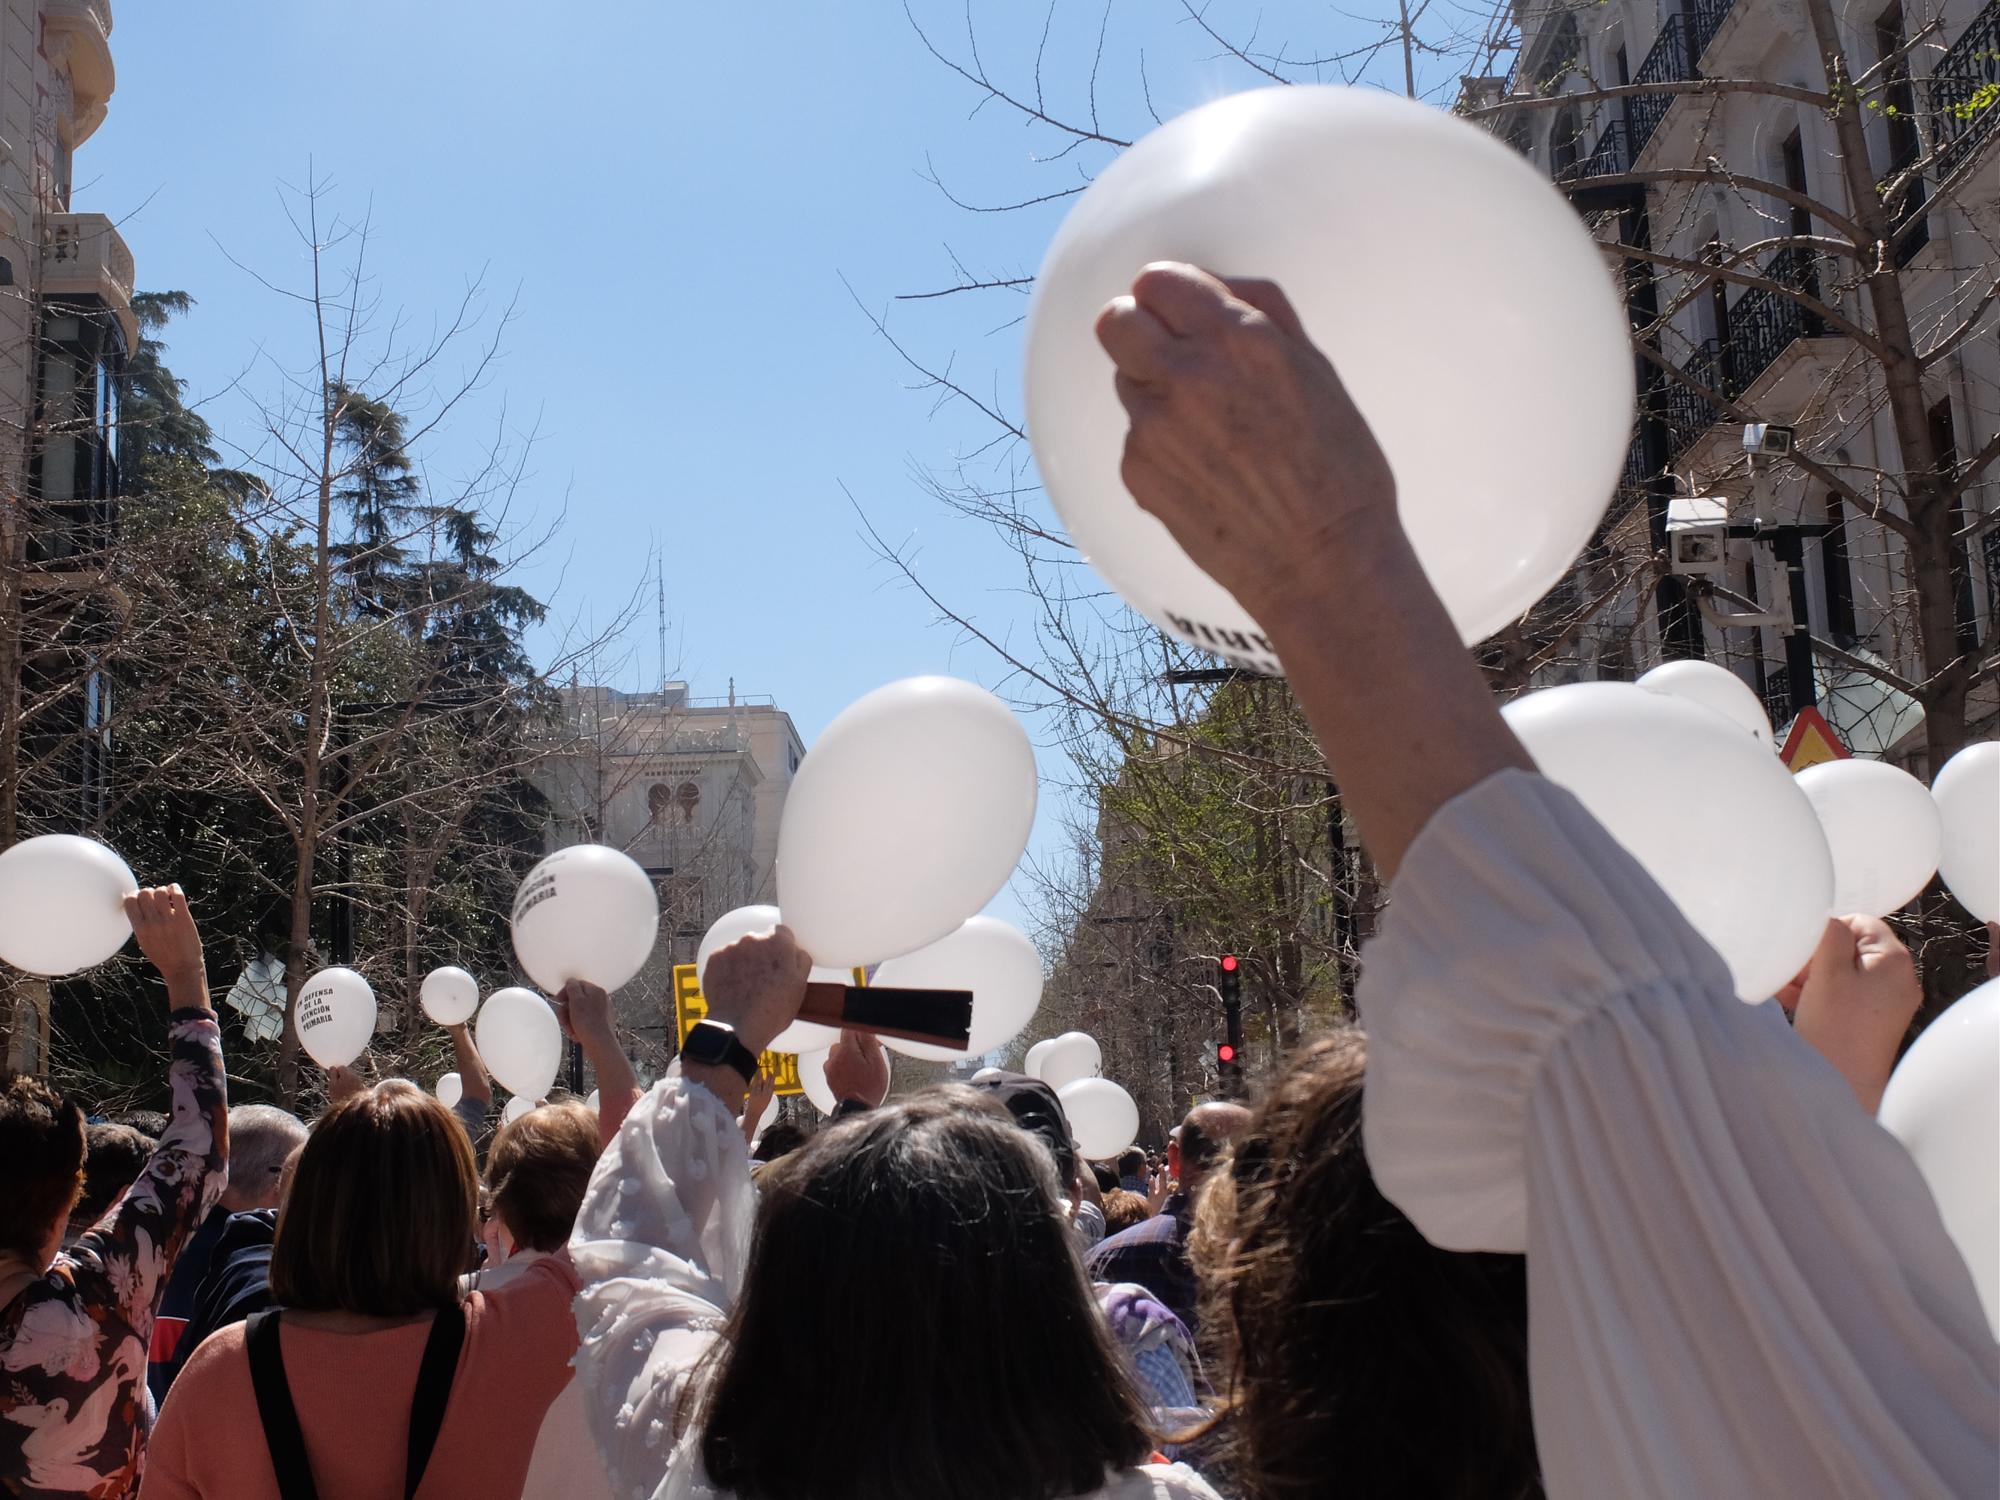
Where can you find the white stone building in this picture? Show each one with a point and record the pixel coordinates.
(1929, 70)
(693, 790)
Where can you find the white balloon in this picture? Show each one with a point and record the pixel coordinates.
(1102, 1117)
(335, 1016)
(984, 1074)
(62, 904)
(1032, 1063)
(1882, 828)
(1943, 1103)
(1313, 187)
(449, 996)
(759, 921)
(1715, 687)
(1968, 797)
(591, 1102)
(1074, 1055)
(812, 1078)
(585, 912)
(907, 817)
(450, 1089)
(520, 1040)
(517, 1106)
(1717, 821)
(990, 958)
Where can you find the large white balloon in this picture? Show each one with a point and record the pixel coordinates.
(1713, 817)
(1074, 1055)
(335, 1016)
(62, 904)
(759, 921)
(907, 817)
(1031, 1064)
(812, 1078)
(1882, 828)
(1968, 798)
(1102, 1117)
(450, 1089)
(520, 1040)
(1713, 687)
(1313, 187)
(1943, 1103)
(449, 996)
(516, 1107)
(585, 912)
(990, 958)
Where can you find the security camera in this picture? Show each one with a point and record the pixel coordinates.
(1697, 534)
(1767, 440)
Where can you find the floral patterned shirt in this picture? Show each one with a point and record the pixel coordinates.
(74, 1413)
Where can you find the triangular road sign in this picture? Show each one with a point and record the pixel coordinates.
(1811, 742)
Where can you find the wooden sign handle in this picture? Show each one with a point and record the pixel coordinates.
(941, 1017)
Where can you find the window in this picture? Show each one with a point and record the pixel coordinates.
(659, 798)
(74, 465)
(1944, 442)
(1564, 143)
(1792, 157)
(1836, 578)
(1899, 119)
(689, 798)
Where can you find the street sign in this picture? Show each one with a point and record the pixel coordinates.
(690, 1007)
(1811, 742)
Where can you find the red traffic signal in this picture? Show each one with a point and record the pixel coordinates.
(1225, 1053)
(1229, 963)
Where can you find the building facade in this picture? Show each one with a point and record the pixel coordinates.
(692, 789)
(66, 328)
(1729, 195)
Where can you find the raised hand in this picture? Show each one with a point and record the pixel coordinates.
(164, 927)
(1858, 997)
(857, 1068)
(757, 985)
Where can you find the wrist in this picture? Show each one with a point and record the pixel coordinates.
(1337, 574)
(187, 989)
(720, 1080)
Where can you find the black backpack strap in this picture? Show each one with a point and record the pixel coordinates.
(434, 1377)
(275, 1409)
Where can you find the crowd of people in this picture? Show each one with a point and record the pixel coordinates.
(1565, 1218)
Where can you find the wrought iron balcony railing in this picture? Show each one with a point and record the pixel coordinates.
(1764, 322)
(1670, 60)
(1778, 695)
(1607, 156)
(1964, 90)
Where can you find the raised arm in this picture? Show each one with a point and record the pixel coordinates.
(664, 1232)
(585, 1013)
(134, 1248)
(1738, 1282)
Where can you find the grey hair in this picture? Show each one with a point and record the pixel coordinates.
(262, 1138)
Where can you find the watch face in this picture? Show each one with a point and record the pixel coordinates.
(709, 1042)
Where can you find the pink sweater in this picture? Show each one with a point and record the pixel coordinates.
(353, 1396)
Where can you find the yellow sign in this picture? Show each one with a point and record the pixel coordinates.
(690, 1007)
(1812, 742)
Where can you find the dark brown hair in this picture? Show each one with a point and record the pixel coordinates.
(382, 1208)
(1123, 1208)
(41, 1163)
(537, 1169)
(113, 1158)
(1352, 1347)
(914, 1270)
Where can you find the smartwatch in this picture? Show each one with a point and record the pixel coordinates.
(714, 1042)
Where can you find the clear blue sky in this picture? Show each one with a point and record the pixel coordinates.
(674, 193)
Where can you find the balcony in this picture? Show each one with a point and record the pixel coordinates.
(84, 256)
(1964, 92)
(1675, 57)
(1609, 156)
(1909, 206)
(76, 36)
(1763, 323)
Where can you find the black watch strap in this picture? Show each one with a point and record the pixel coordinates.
(713, 1042)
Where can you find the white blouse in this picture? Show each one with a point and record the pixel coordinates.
(1739, 1285)
(661, 1243)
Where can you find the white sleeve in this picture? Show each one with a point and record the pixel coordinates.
(660, 1246)
(1738, 1284)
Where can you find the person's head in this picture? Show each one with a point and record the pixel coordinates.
(42, 1147)
(382, 1210)
(114, 1156)
(913, 1268)
(262, 1138)
(1037, 1110)
(1132, 1162)
(536, 1171)
(1106, 1175)
(1123, 1209)
(780, 1139)
(1425, 1390)
(1201, 1139)
(146, 1121)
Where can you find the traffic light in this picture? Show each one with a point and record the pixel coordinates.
(1229, 1053)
